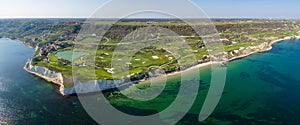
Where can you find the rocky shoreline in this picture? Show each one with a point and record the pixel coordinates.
(266, 46)
(48, 75)
(101, 85)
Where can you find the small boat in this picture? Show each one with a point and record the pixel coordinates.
(223, 64)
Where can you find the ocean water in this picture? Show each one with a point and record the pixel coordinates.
(27, 99)
(260, 89)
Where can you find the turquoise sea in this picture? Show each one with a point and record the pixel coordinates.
(260, 89)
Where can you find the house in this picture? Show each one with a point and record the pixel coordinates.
(47, 49)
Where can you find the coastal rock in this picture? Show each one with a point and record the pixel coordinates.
(47, 74)
(86, 87)
(43, 71)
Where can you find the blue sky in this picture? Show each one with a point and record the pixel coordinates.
(213, 8)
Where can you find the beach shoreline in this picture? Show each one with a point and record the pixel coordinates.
(57, 81)
(61, 84)
(201, 65)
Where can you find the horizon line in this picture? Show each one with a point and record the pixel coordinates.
(152, 18)
(58, 17)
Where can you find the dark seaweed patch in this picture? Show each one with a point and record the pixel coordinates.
(244, 75)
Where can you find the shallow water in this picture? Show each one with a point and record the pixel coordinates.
(27, 99)
(260, 89)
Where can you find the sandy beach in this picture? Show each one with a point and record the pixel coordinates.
(237, 57)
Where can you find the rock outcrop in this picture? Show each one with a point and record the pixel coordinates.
(245, 51)
(86, 87)
(47, 74)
